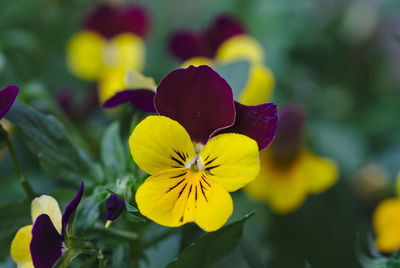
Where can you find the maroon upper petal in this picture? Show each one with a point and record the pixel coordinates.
(134, 19)
(46, 243)
(257, 122)
(187, 44)
(222, 28)
(140, 98)
(199, 99)
(110, 20)
(7, 98)
(70, 209)
(289, 134)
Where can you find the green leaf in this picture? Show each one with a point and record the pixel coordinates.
(112, 150)
(236, 74)
(211, 247)
(47, 138)
(13, 215)
(67, 257)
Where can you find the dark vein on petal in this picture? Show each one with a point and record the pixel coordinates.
(209, 168)
(181, 155)
(202, 190)
(195, 195)
(190, 190)
(209, 162)
(180, 193)
(204, 179)
(180, 175)
(175, 185)
(177, 161)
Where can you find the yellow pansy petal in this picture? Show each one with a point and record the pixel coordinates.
(231, 159)
(321, 173)
(84, 55)
(259, 86)
(241, 47)
(131, 52)
(20, 251)
(47, 205)
(178, 196)
(386, 221)
(112, 81)
(285, 189)
(197, 61)
(136, 80)
(159, 143)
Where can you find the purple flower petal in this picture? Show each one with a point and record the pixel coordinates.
(187, 44)
(289, 133)
(140, 98)
(7, 98)
(46, 243)
(109, 20)
(103, 20)
(199, 99)
(257, 122)
(115, 205)
(223, 28)
(134, 19)
(70, 209)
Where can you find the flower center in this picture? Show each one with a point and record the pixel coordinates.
(195, 164)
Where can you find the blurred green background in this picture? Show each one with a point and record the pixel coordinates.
(339, 59)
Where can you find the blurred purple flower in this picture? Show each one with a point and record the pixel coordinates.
(115, 205)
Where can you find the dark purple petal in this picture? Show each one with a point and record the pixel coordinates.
(46, 243)
(140, 98)
(109, 20)
(199, 99)
(134, 19)
(289, 134)
(187, 44)
(115, 205)
(257, 122)
(103, 20)
(7, 98)
(223, 28)
(70, 209)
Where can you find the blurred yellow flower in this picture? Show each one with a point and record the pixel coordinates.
(386, 222)
(108, 61)
(288, 171)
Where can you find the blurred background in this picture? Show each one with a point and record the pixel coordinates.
(338, 59)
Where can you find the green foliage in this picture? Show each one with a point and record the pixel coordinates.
(13, 215)
(236, 74)
(211, 247)
(112, 151)
(48, 140)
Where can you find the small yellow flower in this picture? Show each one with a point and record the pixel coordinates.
(386, 221)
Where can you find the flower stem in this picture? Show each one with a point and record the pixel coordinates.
(116, 232)
(24, 182)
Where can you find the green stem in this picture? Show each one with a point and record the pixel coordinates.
(24, 182)
(116, 232)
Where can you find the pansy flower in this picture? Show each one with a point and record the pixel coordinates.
(109, 48)
(40, 245)
(200, 147)
(7, 98)
(386, 222)
(289, 172)
(226, 41)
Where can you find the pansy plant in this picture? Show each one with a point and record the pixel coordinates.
(200, 147)
(111, 50)
(40, 245)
